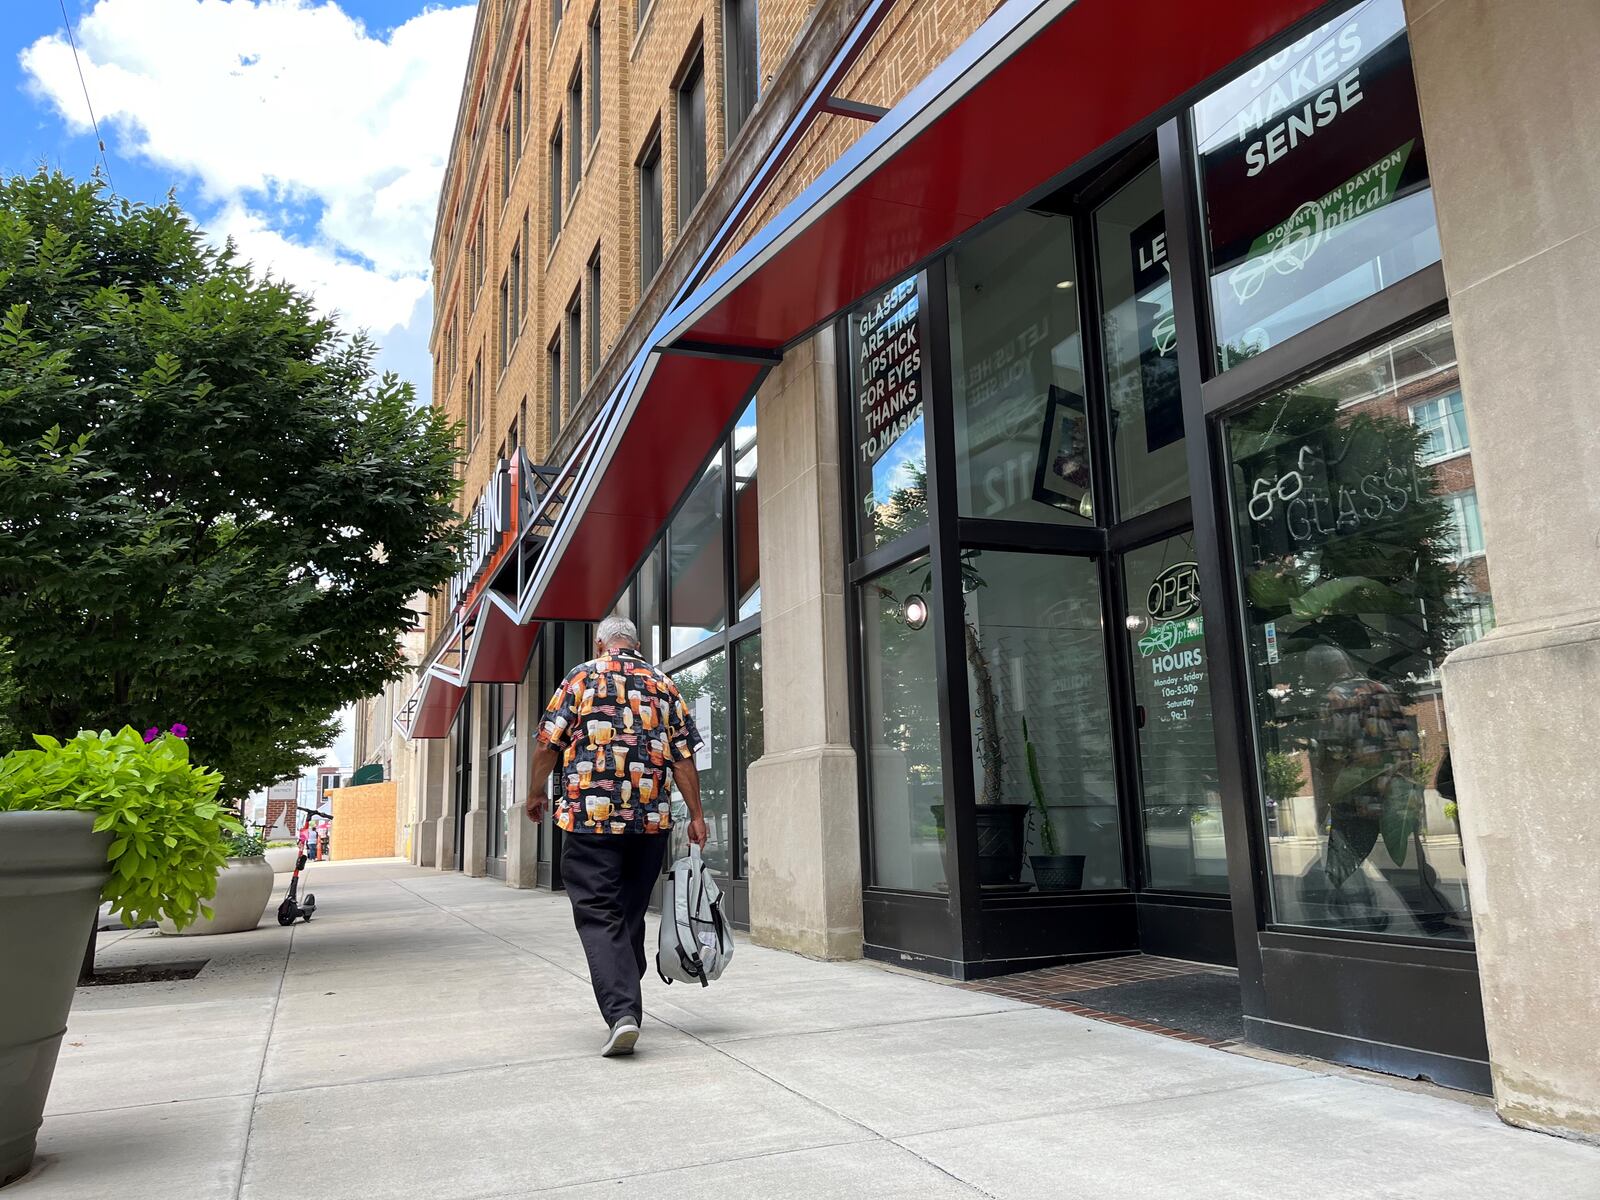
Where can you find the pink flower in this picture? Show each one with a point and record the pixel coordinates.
(180, 731)
(151, 734)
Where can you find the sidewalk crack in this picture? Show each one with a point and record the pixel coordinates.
(261, 1067)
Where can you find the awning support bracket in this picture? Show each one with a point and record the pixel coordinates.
(840, 107)
(745, 354)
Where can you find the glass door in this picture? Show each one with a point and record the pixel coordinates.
(1180, 798)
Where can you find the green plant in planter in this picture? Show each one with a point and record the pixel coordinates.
(248, 844)
(1047, 833)
(170, 836)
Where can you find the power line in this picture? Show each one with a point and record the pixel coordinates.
(84, 83)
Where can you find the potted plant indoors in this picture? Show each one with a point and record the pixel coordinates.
(1001, 824)
(108, 816)
(244, 885)
(1052, 871)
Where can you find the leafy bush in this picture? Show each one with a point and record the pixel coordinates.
(246, 844)
(169, 835)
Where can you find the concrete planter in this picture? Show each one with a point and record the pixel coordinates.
(281, 858)
(243, 888)
(52, 867)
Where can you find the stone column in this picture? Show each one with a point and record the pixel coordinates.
(804, 826)
(432, 756)
(1511, 118)
(475, 833)
(522, 835)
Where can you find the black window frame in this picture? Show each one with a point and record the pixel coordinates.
(554, 413)
(576, 146)
(572, 321)
(595, 48)
(741, 64)
(652, 210)
(558, 197)
(593, 281)
(689, 101)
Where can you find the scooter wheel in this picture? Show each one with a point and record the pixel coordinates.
(282, 920)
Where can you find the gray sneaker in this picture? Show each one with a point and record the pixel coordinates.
(623, 1035)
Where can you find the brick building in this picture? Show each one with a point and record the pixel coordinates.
(1166, 415)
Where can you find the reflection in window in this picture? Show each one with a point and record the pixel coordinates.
(1022, 439)
(1036, 678)
(886, 346)
(697, 605)
(905, 781)
(1353, 595)
(1180, 789)
(502, 763)
(1315, 180)
(1467, 534)
(1444, 423)
(704, 686)
(750, 735)
(746, 517)
(1141, 348)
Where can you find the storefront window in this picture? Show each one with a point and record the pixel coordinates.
(1355, 587)
(704, 687)
(1315, 180)
(650, 604)
(1022, 438)
(698, 604)
(746, 517)
(1141, 348)
(502, 763)
(887, 342)
(1036, 680)
(905, 778)
(1182, 797)
(750, 736)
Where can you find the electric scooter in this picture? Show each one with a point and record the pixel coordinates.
(292, 910)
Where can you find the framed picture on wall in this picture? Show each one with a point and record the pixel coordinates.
(1061, 478)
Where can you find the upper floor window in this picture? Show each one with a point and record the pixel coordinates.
(594, 312)
(556, 192)
(575, 116)
(574, 348)
(556, 9)
(507, 163)
(505, 320)
(740, 64)
(691, 139)
(1443, 423)
(553, 388)
(650, 212)
(594, 76)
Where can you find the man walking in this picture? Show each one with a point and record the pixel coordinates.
(622, 736)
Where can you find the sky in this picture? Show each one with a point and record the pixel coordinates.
(312, 132)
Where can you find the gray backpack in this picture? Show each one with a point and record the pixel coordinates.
(696, 941)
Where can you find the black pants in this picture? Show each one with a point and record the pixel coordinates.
(610, 880)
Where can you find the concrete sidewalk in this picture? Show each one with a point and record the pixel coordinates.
(433, 1036)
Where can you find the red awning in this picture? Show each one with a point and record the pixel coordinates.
(438, 699)
(1036, 89)
(681, 410)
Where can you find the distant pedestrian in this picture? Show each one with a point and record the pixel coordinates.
(622, 736)
(308, 841)
(324, 841)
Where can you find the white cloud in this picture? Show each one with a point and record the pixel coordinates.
(278, 108)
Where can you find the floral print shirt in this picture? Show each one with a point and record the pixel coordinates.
(619, 723)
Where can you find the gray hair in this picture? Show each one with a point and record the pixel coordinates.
(617, 630)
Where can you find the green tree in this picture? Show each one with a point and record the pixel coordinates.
(211, 511)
